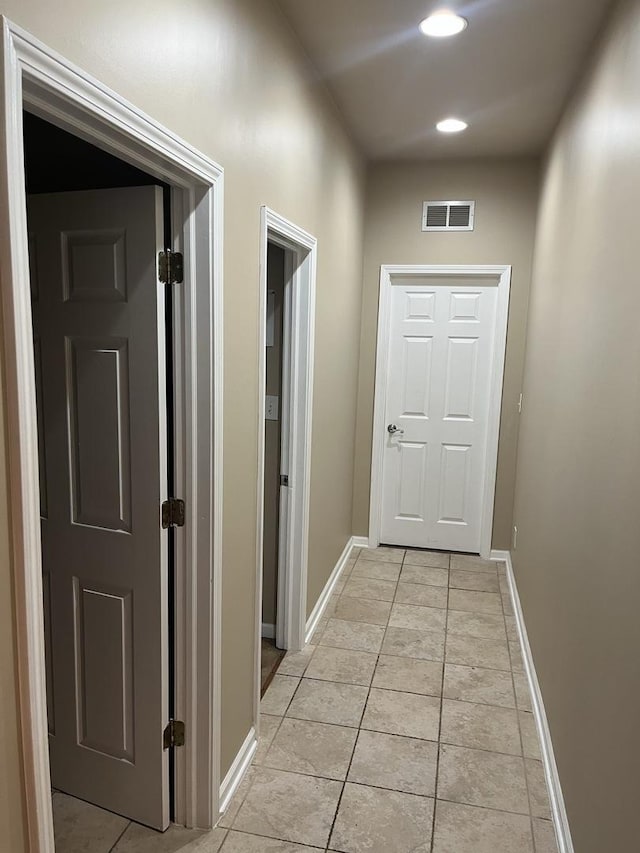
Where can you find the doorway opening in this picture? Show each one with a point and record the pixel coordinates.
(103, 372)
(275, 478)
(287, 306)
(47, 86)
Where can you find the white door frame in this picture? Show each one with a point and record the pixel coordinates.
(407, 272)
(296, 408)
(56, 90)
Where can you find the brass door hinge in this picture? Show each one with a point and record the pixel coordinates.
(173, 734)
(170, 267)
(173, 513)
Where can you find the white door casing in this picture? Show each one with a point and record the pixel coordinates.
(296, 423)
(39, 79)
(441, 339)
(99, 328)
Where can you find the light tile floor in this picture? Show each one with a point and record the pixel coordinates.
(82, 828)
(405, 727)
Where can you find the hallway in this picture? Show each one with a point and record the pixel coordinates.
(369, 744)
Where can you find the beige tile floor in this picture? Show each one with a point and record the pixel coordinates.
(83, 828)
(405, 727)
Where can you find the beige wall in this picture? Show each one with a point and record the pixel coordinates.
(578, 487)
(228, 76)
(506, 197)
(272, 434)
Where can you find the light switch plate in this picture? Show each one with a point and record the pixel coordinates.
(271, 408)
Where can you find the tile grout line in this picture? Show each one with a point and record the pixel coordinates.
(411, 692)
(359, 728)
(364, 710)
(432, 659)
(253, 764)
(435, 787)
(119, 838)
(381, 788)
(267, 837)
(524, 764)
(511, 674)
(339, 801)
(281, 717)
(444, 664)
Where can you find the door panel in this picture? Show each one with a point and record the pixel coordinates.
(94, 265)
(410, 483)
(104, 649)
(459, 394)
(98, 406)
(453, 485)
(439, 371)
(416, 376)
(98, 314)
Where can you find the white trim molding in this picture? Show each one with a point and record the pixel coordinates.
(556, 799)
(268, 631)
(296, 417)
(360, 541)
(40, 80)
(405, 272)
(237, 771)
(501, 556)
(325, 595)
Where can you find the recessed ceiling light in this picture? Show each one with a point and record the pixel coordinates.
(442, 24)
(451, 125)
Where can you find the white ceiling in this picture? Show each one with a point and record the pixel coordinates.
(508, 74)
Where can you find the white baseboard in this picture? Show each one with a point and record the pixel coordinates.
(237, 770)
(500, 555)
(359, 541)
(560, 820)
(268, 631)
(325, 595)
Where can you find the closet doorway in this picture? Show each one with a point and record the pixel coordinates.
(287, 305)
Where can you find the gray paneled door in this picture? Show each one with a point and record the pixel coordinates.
(100, 370)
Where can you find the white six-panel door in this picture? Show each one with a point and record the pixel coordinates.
(438, 386)
(99, 355)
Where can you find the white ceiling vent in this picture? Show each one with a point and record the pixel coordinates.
(448, 215)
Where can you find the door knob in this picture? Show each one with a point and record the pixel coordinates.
(392, 429)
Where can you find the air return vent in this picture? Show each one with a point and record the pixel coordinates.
(448, 215)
